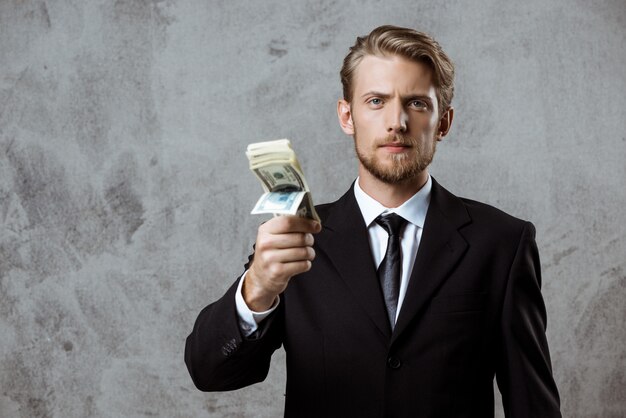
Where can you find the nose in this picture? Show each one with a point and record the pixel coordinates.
(397, 119)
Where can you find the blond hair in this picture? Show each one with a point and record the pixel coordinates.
(407, 43)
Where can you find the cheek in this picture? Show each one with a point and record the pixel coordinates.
(434, 120)
(368, 119)
(366, 126)
(423, 125)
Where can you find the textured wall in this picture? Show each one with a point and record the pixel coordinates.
(125, 194)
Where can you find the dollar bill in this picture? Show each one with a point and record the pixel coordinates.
(286, 191)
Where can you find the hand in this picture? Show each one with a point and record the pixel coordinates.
(284, 248)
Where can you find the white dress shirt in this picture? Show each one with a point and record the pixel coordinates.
(413, 210)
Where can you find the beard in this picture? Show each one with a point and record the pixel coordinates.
(404, 166)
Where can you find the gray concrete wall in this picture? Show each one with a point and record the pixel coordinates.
(125, 193)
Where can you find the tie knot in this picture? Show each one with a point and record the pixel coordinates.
(392, 223)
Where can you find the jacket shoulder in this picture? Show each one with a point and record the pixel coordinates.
(476, 215)
(489, 217)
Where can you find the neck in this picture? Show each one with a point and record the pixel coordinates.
(391, 195)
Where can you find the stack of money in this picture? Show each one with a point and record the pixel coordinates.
(277, 167)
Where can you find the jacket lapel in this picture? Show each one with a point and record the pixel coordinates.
(346, 243)
(440, 249)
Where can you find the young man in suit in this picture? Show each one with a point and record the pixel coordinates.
(409, 300)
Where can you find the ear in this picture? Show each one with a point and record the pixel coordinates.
(445, 122)
(344, 113)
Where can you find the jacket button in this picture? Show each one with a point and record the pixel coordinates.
(394, 362)
(229, 347)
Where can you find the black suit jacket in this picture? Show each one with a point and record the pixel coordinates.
(473, 309)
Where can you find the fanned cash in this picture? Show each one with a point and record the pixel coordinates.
(286, 191)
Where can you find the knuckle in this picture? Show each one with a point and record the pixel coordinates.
(262, 242)
(308, 239)
(267, 258)
(275, 269)
(286, 221)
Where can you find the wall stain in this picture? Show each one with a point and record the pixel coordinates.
(562, 254)
(13, 221)
(122, 198)
(28, 387)
(126, 206)
(278, 48)
(603, 322)
(321, 36)
(77, 220)
(612, 393)
(43, 7)
(39, 13)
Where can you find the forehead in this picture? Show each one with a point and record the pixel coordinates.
(390, 74)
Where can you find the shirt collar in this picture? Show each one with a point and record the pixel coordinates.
(413, 210)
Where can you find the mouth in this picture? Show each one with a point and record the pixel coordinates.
(396, 147)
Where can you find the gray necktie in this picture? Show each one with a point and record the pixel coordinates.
(390, 268)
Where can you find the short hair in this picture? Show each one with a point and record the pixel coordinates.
(408, 43)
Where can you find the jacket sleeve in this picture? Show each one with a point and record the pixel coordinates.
(219, 357)
(524, 371)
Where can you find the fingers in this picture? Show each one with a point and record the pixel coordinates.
(290, 269)
(282, 241)
(285, 232)
(284, 248)
(287, 255)
(288, 224)
(262, 285)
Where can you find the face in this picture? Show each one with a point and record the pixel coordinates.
(393, 118)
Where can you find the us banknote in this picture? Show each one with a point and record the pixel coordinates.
(286, 192)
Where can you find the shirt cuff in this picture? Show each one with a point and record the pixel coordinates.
(249, 320)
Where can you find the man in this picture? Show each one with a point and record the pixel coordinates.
(409, 299)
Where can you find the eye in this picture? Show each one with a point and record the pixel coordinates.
(375, 101)
(418, 104)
